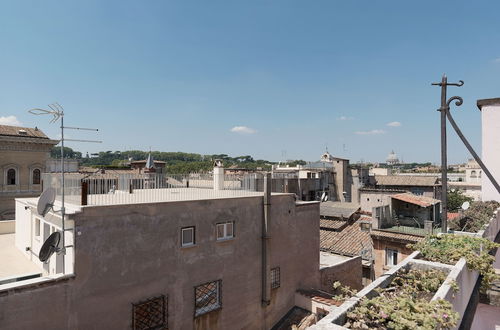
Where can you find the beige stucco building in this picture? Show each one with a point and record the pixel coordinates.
(23, 155)
(195, 258)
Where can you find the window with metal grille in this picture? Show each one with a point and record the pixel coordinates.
(275, 278)
(207, 297)
(150, 314)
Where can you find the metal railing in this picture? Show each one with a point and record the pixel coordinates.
(128, 188)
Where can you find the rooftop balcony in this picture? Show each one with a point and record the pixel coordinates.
(115, 187)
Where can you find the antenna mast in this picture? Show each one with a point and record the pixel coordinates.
(57, 111)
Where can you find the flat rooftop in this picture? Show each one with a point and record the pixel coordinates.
(13, 263)
(330, 259)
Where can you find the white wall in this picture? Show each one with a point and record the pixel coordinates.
(490, 115)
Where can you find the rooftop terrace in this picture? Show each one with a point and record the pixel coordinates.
(129, 188)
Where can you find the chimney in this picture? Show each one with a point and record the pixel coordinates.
(218, 175)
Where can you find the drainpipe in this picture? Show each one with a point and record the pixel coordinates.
(266, 268)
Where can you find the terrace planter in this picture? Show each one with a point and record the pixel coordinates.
(465, 279)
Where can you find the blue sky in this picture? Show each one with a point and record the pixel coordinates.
(272, 79)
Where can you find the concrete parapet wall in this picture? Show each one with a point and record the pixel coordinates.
(7, 227)
(348, 272)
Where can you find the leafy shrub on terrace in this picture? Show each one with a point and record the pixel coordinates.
(406, 304)
(448, 249)
(475, 218)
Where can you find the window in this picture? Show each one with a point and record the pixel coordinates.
(391, 257)
(275, 278)
(36, 176)
(11, 176)
(207, 297)
(37, 228)
(473, 174)
(187, 236)
(225, 230)
(367, 199)
(150, 314)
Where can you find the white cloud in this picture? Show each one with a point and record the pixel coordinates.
(243, 130)
(496, 60)
(372, 132)
(394, 124)
(9, 120)
(345, 118)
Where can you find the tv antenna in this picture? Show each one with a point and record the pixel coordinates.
(47, 202)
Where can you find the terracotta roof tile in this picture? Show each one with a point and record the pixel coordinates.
(402, 237)
(332, 224)
(350, 241)
(338, 209)
(405, 180)
(415, 199)
(22, 132)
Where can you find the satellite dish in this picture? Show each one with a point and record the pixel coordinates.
(46, 201)
(49, 246)
(465, 206)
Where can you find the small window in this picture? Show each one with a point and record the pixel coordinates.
(391, 257)
(225, 230)
(36, 176)
(275, 278)
(187, 236)
(367, 199)
(150, 314)
(37, 228)
(207, 297)
(11, 176)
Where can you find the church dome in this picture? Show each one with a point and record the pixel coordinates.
(392, 159)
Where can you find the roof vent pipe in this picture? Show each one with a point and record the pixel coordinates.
(218, 175)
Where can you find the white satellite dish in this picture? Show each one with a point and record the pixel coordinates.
(465, 206)
(46, 201)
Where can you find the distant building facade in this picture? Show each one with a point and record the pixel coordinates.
(23, 155)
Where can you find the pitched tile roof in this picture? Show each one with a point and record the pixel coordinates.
(422, 201)
(6, 130)
(350, 241)
(400, 237)
(332, 224)
(405, 180)
(338, 209)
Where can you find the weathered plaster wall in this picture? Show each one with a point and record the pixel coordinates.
(128, 253)
(348, 272)
(379, 250)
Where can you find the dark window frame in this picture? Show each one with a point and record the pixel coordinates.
(36, 179)
(11, 181)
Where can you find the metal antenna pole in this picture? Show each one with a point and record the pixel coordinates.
(444, 152)
(62, 197)
(57, 112)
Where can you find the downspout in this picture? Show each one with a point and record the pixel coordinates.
(266, 268)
